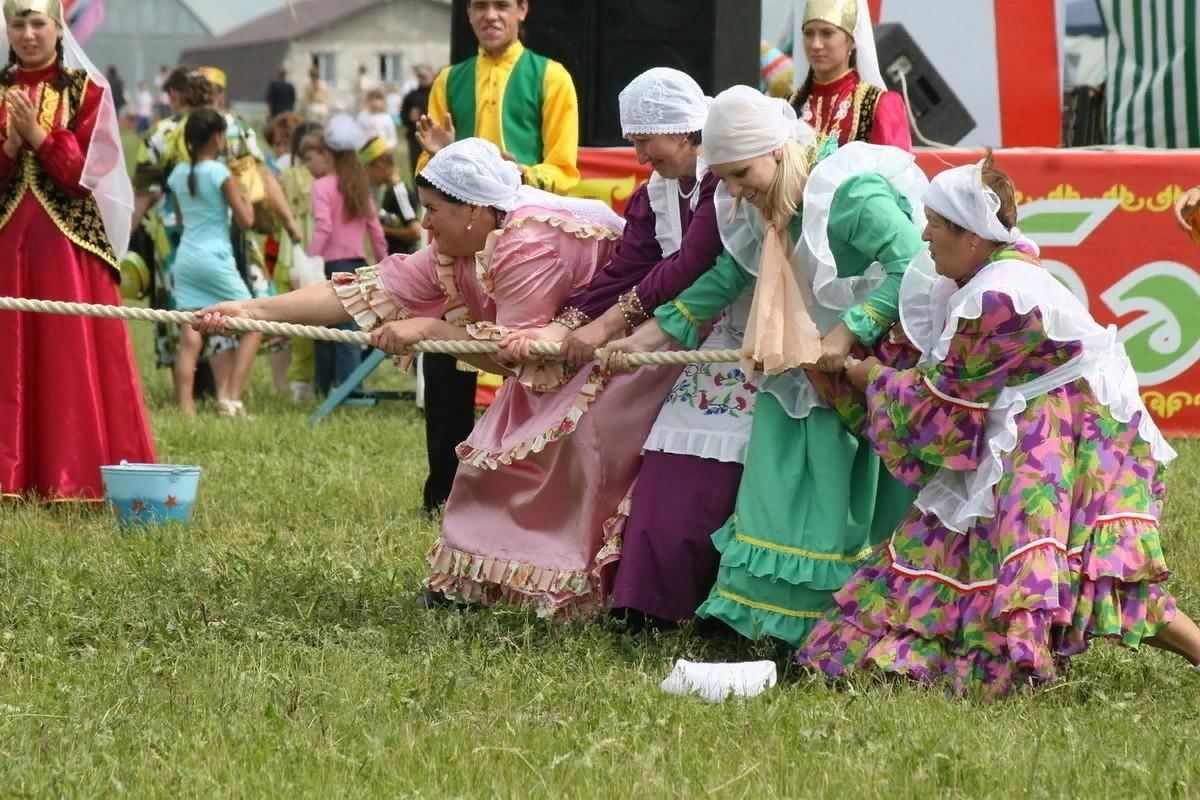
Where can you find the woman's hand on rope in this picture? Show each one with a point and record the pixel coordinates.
(515, 346)
(212, 319)
(859, 372)
(835, 346)
(433, 137)
(580, 346)
(1186, 206)
(397, 336)
(646, 339)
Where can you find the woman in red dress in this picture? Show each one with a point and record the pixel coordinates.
(843, 94)
(70, 399)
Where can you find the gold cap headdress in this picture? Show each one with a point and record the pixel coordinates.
(51, 8)
(215, 76)
(843, 13)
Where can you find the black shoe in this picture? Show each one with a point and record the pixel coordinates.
(636, 621)
(429, 599)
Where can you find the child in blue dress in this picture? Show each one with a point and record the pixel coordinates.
(204, 270)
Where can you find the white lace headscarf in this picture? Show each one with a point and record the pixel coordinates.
(662, 100)
(961, 196)
(744, 123)
(104, 172)
(657, 102)
(473, 171)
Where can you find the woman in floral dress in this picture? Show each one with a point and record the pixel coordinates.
(1036, 526)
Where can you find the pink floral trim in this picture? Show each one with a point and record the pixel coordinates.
(473, 578)
(540, 375)
(456, 307)
(494, 459)
(580, 230)
(365, 299)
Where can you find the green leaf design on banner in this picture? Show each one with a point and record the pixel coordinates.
(1164, 342)
(1061, 222)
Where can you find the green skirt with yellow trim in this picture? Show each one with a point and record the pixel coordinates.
(814, 501)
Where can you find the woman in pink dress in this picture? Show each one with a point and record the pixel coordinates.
(534, 515)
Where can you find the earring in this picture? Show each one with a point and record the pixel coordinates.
(470, 225)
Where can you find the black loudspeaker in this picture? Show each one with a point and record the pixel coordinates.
(940, 115)
(605, 44)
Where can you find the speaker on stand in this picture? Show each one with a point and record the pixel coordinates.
(940, 115)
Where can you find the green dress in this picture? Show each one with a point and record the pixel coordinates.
(814, 498)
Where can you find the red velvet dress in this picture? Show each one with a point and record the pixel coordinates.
(857, 112)
(70, 399)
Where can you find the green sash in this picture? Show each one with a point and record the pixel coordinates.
(521, 114)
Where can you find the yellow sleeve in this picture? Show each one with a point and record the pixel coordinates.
(437, 109)
(559, 170)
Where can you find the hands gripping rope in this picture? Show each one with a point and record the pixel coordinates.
(454, 348)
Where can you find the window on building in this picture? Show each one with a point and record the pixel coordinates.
(391, 68)
(326, 64)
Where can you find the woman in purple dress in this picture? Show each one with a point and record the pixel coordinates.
(692, 462)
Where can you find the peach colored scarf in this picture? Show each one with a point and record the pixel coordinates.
(780, 334)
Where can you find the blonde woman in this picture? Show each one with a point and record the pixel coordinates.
(813, 497)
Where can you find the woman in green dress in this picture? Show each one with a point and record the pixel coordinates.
(824, 236)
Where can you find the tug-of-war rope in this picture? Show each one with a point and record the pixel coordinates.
(453, 348)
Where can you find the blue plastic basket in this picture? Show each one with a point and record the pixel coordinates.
(151, 494)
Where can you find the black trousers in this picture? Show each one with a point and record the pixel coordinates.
(449, 418)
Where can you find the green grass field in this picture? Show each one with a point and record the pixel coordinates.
(274, 649)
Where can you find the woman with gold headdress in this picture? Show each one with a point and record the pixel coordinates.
(70, 397)
(843, 94)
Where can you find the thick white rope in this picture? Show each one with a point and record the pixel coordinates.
(454, 348)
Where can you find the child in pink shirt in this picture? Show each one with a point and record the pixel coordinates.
(344, 215)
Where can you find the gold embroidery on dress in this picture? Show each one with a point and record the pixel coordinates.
(77, 217)
(860, 92)
(48, 115)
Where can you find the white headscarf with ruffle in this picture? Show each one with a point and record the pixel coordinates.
(961, 196)
(473, 171)
(744, 123)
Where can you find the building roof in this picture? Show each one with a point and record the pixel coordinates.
(222, 16)
(298, 18)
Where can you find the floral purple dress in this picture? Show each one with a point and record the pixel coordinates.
(1029, 411)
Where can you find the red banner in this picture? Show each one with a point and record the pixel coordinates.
(1105, 224)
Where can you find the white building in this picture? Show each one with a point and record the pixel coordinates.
(389, 37)
(140, 36)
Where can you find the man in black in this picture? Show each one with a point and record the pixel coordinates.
(281, 95)
(415, 104)
(450, 416)
(118, 88)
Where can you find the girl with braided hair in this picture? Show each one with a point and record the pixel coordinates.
(70, 398)
(204, 269)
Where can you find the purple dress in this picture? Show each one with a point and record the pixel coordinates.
(668, 562)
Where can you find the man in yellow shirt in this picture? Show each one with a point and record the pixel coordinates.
(525, 104)
(520, 100)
